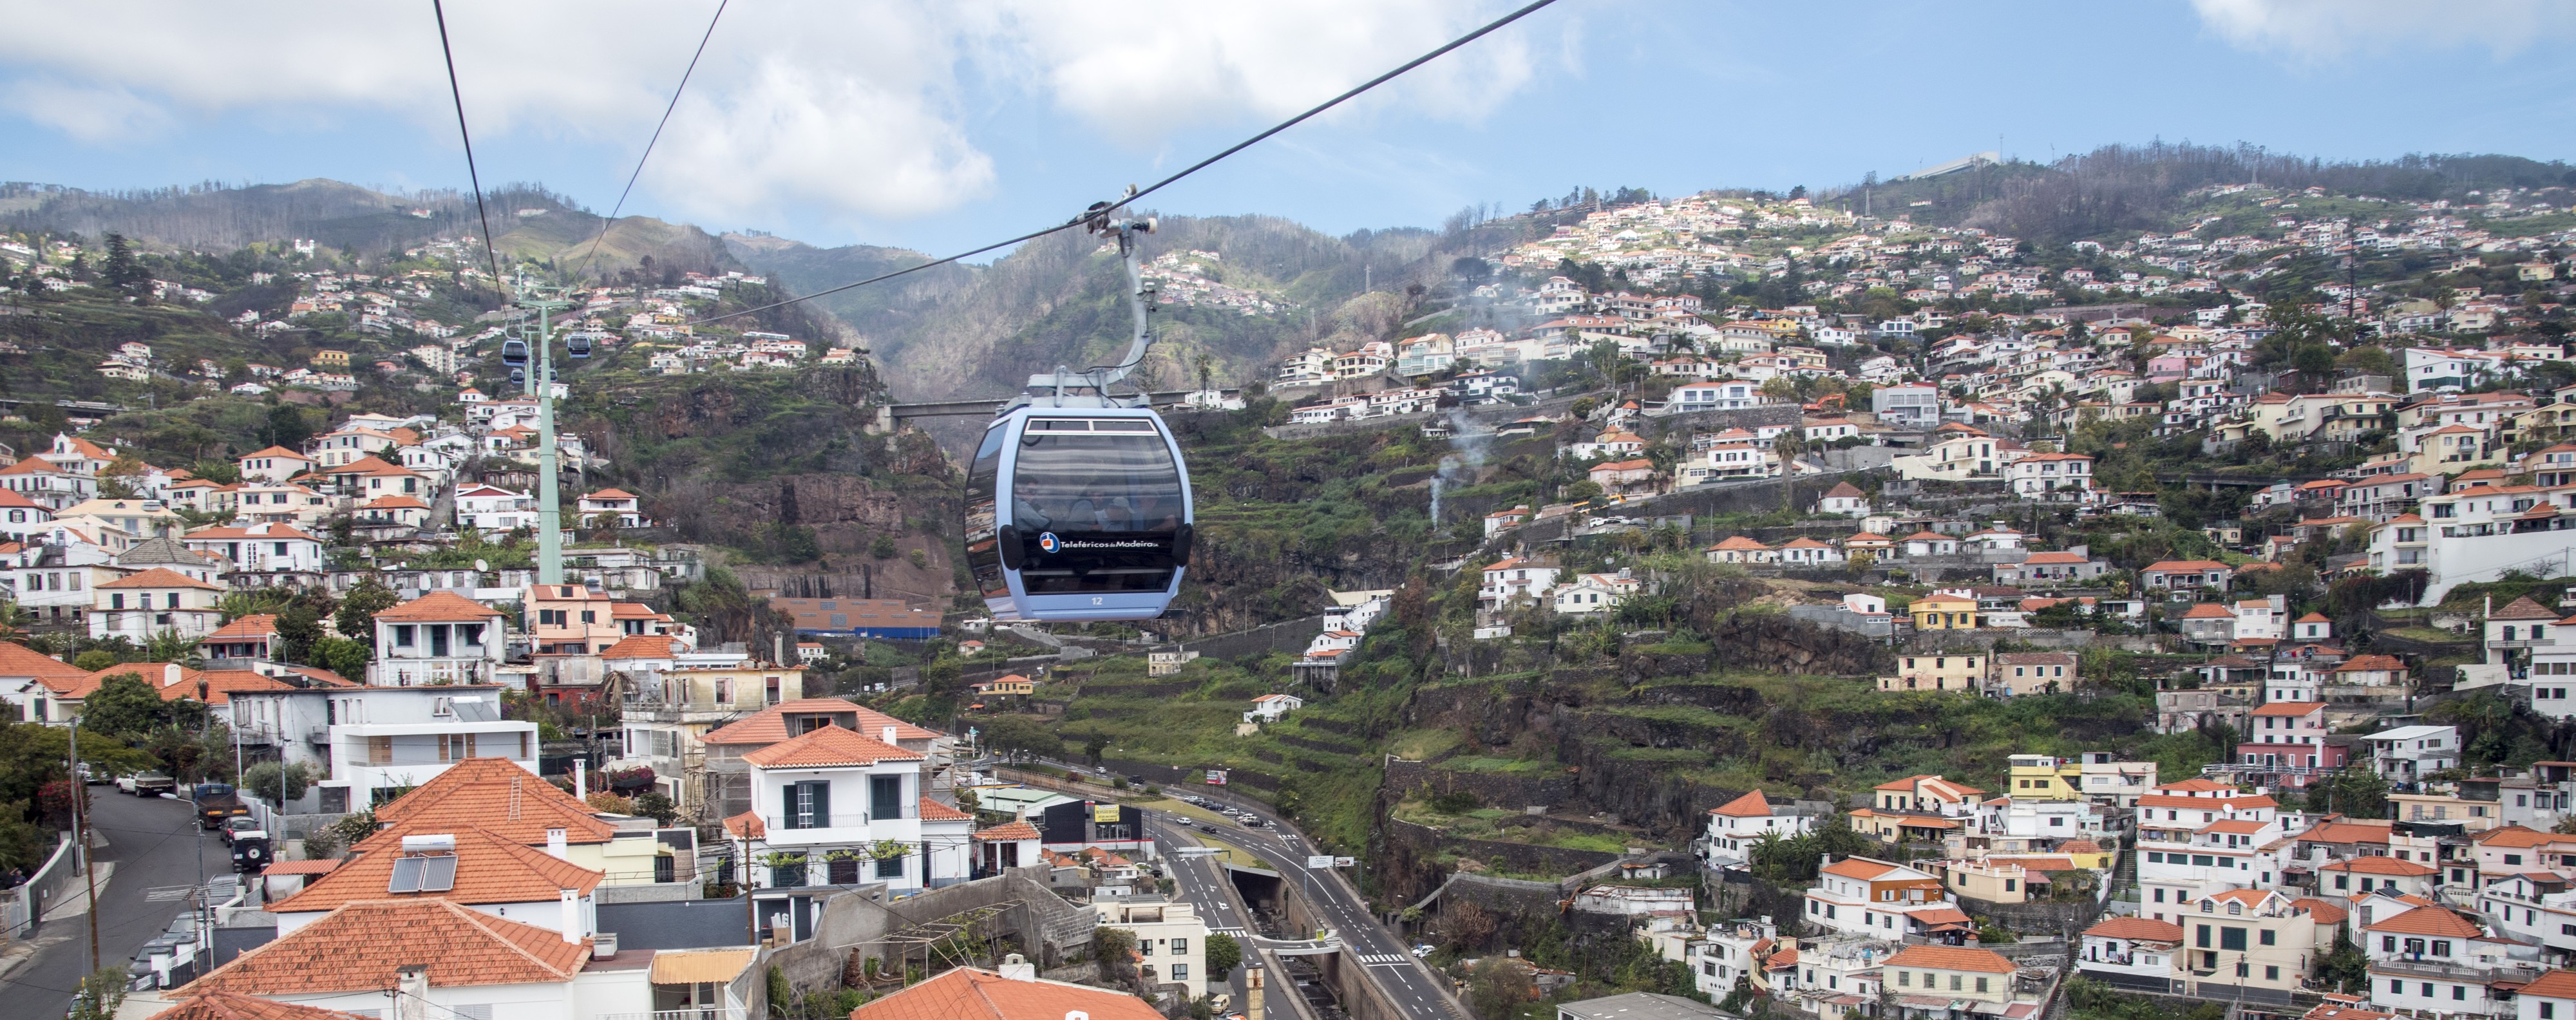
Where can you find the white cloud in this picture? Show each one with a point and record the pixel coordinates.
(852, 106)
(2320, 29)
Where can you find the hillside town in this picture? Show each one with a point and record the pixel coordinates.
(1757, 608)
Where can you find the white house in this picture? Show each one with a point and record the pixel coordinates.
(260, 548)
(1171, 940)
(1734, 827)
(836, 807)
(438, 638)
(1843, 500)
(493, 510)
(1271, 708)
(1593, 593)
(614, 507)
(142, 606)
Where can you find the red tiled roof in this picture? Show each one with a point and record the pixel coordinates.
(934, 811)
(826, 747)
(2290, 708)
(361, 946)
(2428, 921)
(2376, 865)
(2137, 928)
(232, 1006)
(644, 646)
(1751, 805)
(1011, 830)
(494, 794)
(256, 625)
(969, 994)
(1951, 958)
(160, 577)
(769, 725)
(747, 825)
(18, 660)
(489, 869)
(438, 607)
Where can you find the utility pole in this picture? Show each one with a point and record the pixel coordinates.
(541, 381)
(80, 837)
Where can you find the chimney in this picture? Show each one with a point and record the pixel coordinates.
(557, 846)
(889, 734)
(170, 675)
(1018, 968)
(571, 915)
(581, 779)
(411, 992)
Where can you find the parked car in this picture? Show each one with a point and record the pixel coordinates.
(238, 824)
(146, 784)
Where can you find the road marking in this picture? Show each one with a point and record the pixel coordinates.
(168, 893)
(1383, 959)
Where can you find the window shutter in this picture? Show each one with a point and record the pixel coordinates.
(791, 818)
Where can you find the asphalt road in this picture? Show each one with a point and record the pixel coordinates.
(1388, 960)
(155, 843)
(1201, 882)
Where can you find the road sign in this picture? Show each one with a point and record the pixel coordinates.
(1344, 862)
(1320, 861)
(1216, 777)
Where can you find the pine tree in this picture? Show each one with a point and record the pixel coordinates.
(122, 270)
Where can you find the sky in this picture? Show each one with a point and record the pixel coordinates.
(941, 126)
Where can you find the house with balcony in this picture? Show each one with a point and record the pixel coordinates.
(372, 761)
(275, 464)
(260, 548)
(2403, 755)
(1879, 899)
(438, 638)
(571, 619)
(614, 508)
(1171, 940)
(1514, 579)
(836, 807)
(1735, 826)
(2432, 963)
(140, 607)
(2133, 953)
(2254, 945)
(694, 724)
(497, 798)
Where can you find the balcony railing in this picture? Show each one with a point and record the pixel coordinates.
(700, 1013)
(837, 820)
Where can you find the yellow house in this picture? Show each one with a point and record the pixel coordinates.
(1935, 673)
(2042, 777)
(1012, 684)
(330, 358)
(1944, 612)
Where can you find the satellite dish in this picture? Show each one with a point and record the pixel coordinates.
(481, 567)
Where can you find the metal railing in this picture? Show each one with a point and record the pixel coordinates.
(698, 1013)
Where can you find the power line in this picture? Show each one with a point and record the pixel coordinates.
(490, 254)
(1103, 208)
(657, 136)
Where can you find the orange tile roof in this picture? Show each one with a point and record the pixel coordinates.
(644, 646)
(2428, 921)
(2186, 566)
(934, 811)
(1859, 868)
(19, 660)
(275, 451)
(769, 725)
(489, 869)
(2375, 865)
(494, 794)
(1739, 542)
(160, 577)
(2524, 608)
(1951, 958)
(826, 747)
(2324, 912)
(1013, 829)
(256, 625)
(2347, 832)
(2516, 836)
(2290, 708)
(2365, 663)
(438, 607)
(747, 825)
(1751, 805)
(2195, 785)
(233, 1006)
(361, 946)
(2137, 928)
(2557, 984)
(969, 994)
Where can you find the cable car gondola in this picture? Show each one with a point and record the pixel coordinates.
(514, 352)
(1077, 501)
(577, 345)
